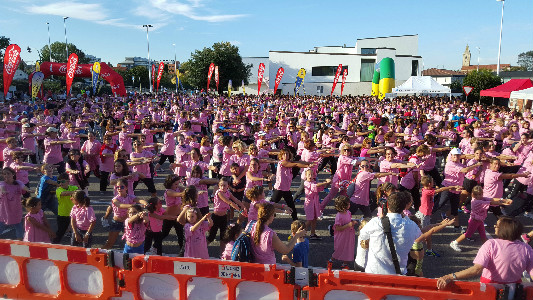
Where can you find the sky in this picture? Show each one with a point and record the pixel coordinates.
(112, 29)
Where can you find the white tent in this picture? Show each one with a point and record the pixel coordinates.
(521, 99)
(421, 85)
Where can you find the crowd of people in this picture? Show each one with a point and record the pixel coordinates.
(232, 161)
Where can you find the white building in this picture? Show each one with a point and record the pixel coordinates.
(321, 64)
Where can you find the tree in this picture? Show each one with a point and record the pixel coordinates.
(525, 60)
(4, 42)
(456, 86)
(480, 80)
(224, 55)
(60, 55)
(141, 76)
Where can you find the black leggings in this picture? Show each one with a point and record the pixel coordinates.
(287, 196)
(164, 157)
(454, 202)
(219, 222)
(178, 228)
(149, 182)
(332, 164)
(62, 225)
(434, 173)
(157, 237)
(518, 187)
(104, 180)
(415, 193)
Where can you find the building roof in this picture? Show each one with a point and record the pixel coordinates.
(434, 72)
(384, 37)
(486, 67)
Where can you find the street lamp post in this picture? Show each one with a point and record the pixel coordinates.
(478, 54)
(66, 43)
(148, 26)
(500, 44)
(49, 48)
(175, 68)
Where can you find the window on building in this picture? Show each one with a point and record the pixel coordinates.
(320, 89)
(367, 69)
(368, 51)
(326, 70)
(414, 68)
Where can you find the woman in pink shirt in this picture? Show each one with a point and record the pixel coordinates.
(82, 220)
(52, 149)
(91, 150)
(389, 164)
(501, 260)
(143, 158)
(168, 147)
(107, 153)
(265, 240)
(282, 187)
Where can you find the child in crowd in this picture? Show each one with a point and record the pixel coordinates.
(480, 206)
(82, 220)
(11, 191)
(155, 226)
(134, 229)
(312, 204)
(300, 252)
(45, 189)
(344, 232)
(63, 193)
(232, 233)
(195, 226)
(36, 228)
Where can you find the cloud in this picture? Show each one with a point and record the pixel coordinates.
(82, 11)
(235, 43)
(189, 10)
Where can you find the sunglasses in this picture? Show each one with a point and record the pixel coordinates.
(121, 187)
(364, 166)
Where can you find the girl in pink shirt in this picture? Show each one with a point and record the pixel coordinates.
(78, 169)
(91, 150)
(201, 183)
(36, 228)
(156, 217)
(232, 233)
(22, 168)
(312, 205)
(82, 220)
(11, 191)
(195, 226)
(167, 147)
(135, 229)
(344, 232)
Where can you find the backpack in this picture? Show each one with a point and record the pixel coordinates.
(242, 248)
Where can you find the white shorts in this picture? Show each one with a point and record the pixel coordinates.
(424, 220)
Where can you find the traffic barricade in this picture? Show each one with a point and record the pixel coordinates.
(158, 277)
(344, 285)
(47, 271)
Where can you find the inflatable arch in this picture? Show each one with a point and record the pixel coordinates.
(84, 70)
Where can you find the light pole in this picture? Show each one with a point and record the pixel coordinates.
(49, 48)
(66, 43)
(148, 26)
(175, 68)
(478, 54)
(500, 44)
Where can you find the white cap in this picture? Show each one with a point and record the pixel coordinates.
(456, 151)
(51, 129)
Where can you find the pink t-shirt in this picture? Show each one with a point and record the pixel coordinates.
(134, 232)
(121, 213)
(156, 225)
(107, 162)
(28, 142)
(31, 232)
(21, 174)
(362, 188)
(130, 183)
(453, 175)
(52, 153)
(480, 208)
(385, 167)
(252, 211)
(504, 261)
(408, 181)
(493, 187)
(10, 202)
(344, 241)
(263, 252)
(344, 169)
(143, 169)
(426, 201)
(125, 141)
(251, 183)
(83, 216)
(182, 154)
(169, 144)
(219, 204)
(283, 178)
(172, 201)
(203, 198)
(195, 241)
(226, 255)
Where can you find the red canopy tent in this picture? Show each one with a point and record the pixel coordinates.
(504, 90)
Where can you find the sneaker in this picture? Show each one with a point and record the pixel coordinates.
(458, 229)
(528, 215)
(321, 217)
(270, 192)
(443, 216)
(105, 222)
(471, 239)
(315, 237)
(326, 190)
(525, 238)
(432, 253)
(297, 200)
(68, 235)
(455, 246)
(153, 250)
(330, 229)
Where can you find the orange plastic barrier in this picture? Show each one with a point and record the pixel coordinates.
(46, 271)
(158, 277)
(357, 285)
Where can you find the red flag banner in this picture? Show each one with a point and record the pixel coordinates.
(11, 63)
(153, 75)
(72, 64)
(160, 73)
(279, 75)
(260, 74)
(216, 76)
(337, 74)
(344, 74)
(209, 74)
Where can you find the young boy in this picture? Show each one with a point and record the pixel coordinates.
(63, 193)
(45, 188)
(300, 252)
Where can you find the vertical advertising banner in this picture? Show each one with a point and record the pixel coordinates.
(72, 64)
(344, 74)
(337, 74)
(216, 76)
(279, 75)
(260, 74)
(160, 73)
(209, 74)
(299, 80)
(11, 63)
(153, 75)
(230, 85)
(36, 82)
(95, 75)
